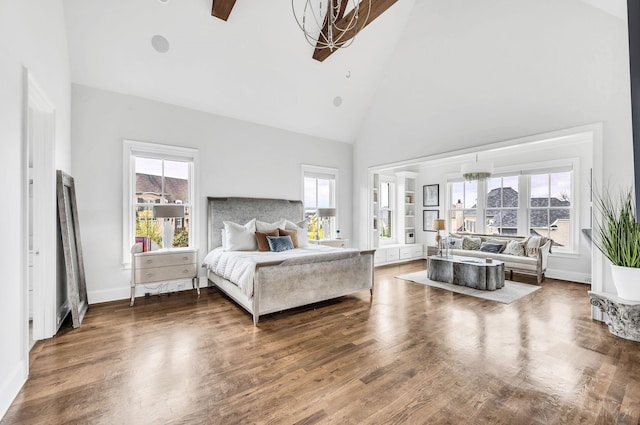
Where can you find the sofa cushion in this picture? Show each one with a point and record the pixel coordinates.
(510, 261)
(514, 248)
(502, 242)
(491, 247)
(470, 243)
(457, 242)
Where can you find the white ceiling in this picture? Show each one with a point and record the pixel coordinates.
(255, 67)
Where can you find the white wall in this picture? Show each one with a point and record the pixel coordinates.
(470, 73)
(32, 35)
(236, 159)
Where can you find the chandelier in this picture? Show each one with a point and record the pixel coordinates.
(472, 171)
(325, 24)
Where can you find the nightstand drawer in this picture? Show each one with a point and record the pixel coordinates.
(157, 260)
(158, 274)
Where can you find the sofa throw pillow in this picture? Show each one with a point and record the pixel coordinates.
(263, 243)
(293, 234)
(491, 247)
(470, 243)
(514, 248)
(240, 238)
(501, 242)
(280, 243)
(457, 243)
(532, 246)
(263, 226)
(302, 228)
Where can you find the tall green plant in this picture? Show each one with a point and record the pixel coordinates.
(617, 233)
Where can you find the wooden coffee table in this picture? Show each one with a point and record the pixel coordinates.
(466, 271)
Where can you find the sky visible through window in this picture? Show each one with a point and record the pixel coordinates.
(324, 193)
(152, 166)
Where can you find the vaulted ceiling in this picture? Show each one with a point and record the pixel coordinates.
(256, 66)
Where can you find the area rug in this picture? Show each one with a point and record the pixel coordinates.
(512, 291)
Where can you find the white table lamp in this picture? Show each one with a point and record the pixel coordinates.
(168, 212)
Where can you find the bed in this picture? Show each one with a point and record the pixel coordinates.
(288, 281)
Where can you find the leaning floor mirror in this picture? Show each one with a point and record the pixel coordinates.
(70, 232)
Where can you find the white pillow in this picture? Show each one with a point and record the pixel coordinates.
(263, 226)
(240, 238)
(302, 227)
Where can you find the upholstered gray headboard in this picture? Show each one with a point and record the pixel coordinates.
(241, 210)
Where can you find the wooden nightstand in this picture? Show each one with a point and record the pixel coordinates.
(162, 266)
(338, 243)
(432, 250)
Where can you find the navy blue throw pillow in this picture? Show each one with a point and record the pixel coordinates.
(280, 243)
(491, 247)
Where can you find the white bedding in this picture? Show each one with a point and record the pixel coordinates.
(239, 267)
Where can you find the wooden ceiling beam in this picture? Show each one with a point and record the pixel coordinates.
(222, 8)
(378, 7)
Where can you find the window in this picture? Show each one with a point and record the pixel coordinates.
(319, 191)
(501, 214)
(532, 202)
(158, 174)
(464, 208)
(550, 206)
(387, 209)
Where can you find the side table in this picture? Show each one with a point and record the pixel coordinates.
(623, 316)
(164, 265)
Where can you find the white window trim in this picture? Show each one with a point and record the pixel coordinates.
(315, 169)
(132, 147)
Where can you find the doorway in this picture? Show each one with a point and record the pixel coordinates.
(39, 207)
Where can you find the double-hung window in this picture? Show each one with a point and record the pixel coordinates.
(158, 175)
(388, 233)
(319, 191)
(501, 214)
(550, 207)
(464, 208)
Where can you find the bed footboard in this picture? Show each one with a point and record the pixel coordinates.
(284, 286)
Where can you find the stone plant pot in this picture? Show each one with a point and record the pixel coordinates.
(627, 282)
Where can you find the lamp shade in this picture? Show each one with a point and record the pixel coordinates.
(439, 224)
(326, 212)
(168, 211)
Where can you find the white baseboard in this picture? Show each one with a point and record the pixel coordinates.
(569, 275)
(11, 387)
(124, 292)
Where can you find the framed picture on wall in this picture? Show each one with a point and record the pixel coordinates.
(431, 195)
(427, 219)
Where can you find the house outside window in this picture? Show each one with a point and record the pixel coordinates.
(501, 214)
(319, 191)
(158, 175)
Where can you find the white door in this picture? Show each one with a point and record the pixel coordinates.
(40, 212)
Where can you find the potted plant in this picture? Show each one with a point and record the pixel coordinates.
(617, 236)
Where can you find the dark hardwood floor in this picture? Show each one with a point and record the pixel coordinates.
(414, 355)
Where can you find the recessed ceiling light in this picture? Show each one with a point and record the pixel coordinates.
(348, 75)
(160, 44)
(164, 1)
(337, 101)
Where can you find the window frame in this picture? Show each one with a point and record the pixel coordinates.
(393, 208)
(131, 149)
(315, 171)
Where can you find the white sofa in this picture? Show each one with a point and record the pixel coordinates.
(522, 264)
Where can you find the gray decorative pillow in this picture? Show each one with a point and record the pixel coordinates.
(501, 242)
(280, 243)
(514, 248)
(470, 243)
(491, 247)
